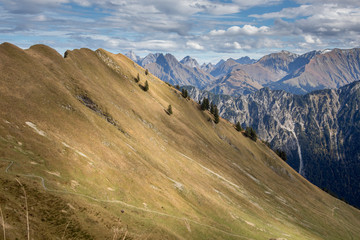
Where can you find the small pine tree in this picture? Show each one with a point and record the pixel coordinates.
(212, 109)
(137, 79)
(184, 93)
(205, 104)
(169, 110)
(177, 87)
(146, 87)
(238, 127)
(281, 154)
(146, 72)
(216, 115)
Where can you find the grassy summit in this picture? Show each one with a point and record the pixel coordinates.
(99, 158)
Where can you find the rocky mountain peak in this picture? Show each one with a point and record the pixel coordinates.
(207, 67)
(190, 62)
(245, 60)
(278, 61)
(132, 55)
(150, 58)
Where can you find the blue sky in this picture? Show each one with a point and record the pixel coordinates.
(205, 29)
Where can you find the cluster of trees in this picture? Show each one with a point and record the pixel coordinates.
(278, 151)
(281, 154)
(146, 86)
(205, 105)
(184, 93)
(250, 133)
(238, 127)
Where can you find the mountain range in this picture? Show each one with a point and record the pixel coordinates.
(319, 131)
(298, 74)
(87, 152)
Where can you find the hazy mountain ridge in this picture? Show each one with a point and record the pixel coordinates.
(299, 74)
(331, 69)
(321, 128)
(169, 69)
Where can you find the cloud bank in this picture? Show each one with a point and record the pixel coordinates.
(203, 28)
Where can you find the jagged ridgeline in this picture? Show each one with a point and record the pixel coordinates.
(86, 153)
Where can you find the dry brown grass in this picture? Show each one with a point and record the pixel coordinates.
(26, 209)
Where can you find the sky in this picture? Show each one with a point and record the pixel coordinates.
(208, 30)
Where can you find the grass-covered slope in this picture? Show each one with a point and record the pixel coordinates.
(99, 158)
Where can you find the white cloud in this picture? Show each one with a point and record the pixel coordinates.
(157, 45)
(244, 4)
(194, 45)
(83, 3)
(171, 25)
(30, 6)
(233, 45)
(245, 30)
(290, 13)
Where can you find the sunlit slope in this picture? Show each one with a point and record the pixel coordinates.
(100, 158)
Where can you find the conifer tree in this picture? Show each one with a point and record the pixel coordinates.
(250, 133)
(281, 154)
(146, 72)
(238, 127)
(216, 115)
(169, 110)
(212, 108)
(137, 79)
(146, 87)
(184, 93)
(205, 104)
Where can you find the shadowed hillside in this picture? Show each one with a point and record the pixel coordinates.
(99, 158)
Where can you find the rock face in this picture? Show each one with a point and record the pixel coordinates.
(235, 83)
(320, 131)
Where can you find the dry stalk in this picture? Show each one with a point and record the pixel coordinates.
(125, 235)
(26, 208)
(3, 222)
(65, 229)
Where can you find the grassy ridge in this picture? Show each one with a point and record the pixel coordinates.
(114, 163)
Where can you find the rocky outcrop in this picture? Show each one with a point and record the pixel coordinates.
(320, 131)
